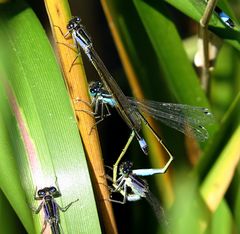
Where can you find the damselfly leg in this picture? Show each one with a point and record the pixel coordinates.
(115, 166)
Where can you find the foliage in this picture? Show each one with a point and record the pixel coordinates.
(40, 142)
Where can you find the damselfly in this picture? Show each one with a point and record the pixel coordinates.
(50, 207)
(133, 188)
(224, 17)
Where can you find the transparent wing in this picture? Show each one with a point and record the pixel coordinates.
(189, 120)
(158, 210)
(124, 108)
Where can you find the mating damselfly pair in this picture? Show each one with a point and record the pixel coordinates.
(187, 119)
(190, 120)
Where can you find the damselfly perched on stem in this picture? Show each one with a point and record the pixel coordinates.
(110, 93)
(50, 207)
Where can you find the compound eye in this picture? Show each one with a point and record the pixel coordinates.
(126, 170)
(52, 189)
(41, 193)
(70, 26)
(126, 167)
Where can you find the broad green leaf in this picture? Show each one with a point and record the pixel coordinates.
(44, 134)
(170, 54)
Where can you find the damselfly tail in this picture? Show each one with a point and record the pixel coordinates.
(55, 228)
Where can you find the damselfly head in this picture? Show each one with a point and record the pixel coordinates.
(48, 198)
(125, 168)
(46, 191)
(73, 23)
(95, 87)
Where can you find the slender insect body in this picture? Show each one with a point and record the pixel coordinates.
(81, 40)
(51, 212)
(55, 228)
(119, 100)
(50, 207)
(147, 172)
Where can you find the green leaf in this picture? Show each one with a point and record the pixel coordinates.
(220, 176)
(44, 135)
(219, 139)
(170, 53)
(189, 212)
(222, 221)
(9, 176)
(8, 217)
